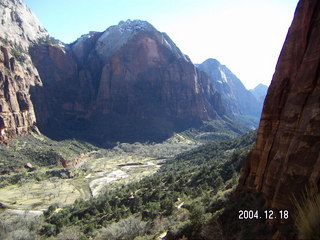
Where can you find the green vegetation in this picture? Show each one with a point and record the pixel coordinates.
(249, 121)
(39, 151)
(37, 188)
(224, 129)
(186, 192)
(178, 196)
(19, 227)
(226, 222)
(49, 40)
(18, 53)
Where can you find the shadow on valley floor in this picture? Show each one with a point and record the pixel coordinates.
(219, 129)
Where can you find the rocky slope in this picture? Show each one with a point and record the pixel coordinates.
(286, 156)
(19, 29)
(128, 83)
(235, 97)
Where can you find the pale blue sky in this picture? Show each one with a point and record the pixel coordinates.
(245, 35)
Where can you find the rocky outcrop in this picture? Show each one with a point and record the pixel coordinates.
(235, 97)
(19, 25)
(128, 83)
(16, 109)
(19, 29)
(286, 156)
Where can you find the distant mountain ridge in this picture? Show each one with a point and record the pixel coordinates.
(235, 97)
(260, 92)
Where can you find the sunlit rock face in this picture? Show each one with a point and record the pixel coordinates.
(18, 24)
(19, 29)
(235, 97)
(286, 156)
(129, 83)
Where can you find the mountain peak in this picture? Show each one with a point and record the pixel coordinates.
(134, 25)
(260, 91)
(211, 61)
(19, 24)
(117, 36)
(261, 86)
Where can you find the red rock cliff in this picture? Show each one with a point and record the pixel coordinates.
(286, 156)
(128, 83)
(19, 29)
(16, 109)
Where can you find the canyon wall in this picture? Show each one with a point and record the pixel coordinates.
(19, 29)
(286, 156)
(129, 83)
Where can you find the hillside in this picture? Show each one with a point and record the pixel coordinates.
(178, 196)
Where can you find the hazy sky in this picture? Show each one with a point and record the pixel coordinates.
(244, 35)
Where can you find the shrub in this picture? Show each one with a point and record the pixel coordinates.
(70, 233)
(308, 217)
(125, 229)
(48, 229)
(19, 227)
(22, 234)
(197, 217)
(18, 54)
(48, 40)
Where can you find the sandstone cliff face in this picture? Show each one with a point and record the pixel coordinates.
(235, 97)
(19, 29)
(286, 156)
(128, 83)
(16, 109)
(18, 24)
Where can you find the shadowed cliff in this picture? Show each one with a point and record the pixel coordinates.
(129, 83)
(285, 160)
(286, 156)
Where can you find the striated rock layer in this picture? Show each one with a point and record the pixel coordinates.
(19, 29)
(286, 155)
(16, 109)
(129, 83)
